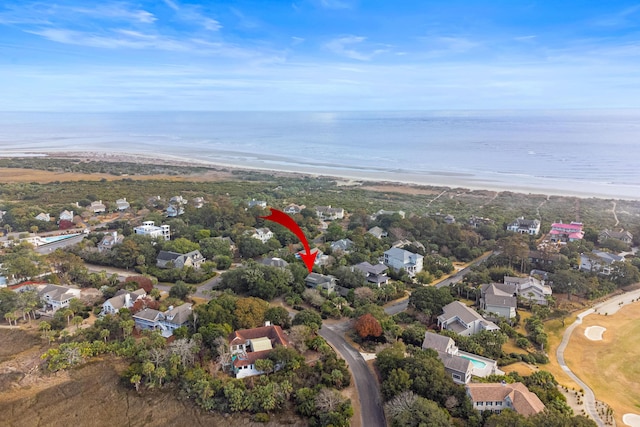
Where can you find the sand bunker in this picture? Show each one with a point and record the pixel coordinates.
(594, 333)
(632, 420)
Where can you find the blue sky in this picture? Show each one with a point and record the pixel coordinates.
(107, 55)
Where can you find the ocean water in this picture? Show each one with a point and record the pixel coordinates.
(579, 152)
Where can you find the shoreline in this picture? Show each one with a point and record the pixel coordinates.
(355, 177)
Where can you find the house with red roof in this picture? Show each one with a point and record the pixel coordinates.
(249, 345)
(561, 232)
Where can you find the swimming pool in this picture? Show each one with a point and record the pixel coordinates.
(52, 239)
(477, 363)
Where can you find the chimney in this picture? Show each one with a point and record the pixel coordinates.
(127, 300)
(115, 236)
(267, 323)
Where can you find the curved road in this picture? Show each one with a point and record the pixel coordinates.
(371, 412)
(610, 306)
(589, 396)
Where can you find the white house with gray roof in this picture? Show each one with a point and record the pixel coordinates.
(166, 322)
(321, 281)
(464, 320)
(459, 364)
(530, 288)
(499, 299)
(55, 297)
(167, 259)
(525, 226)
(343, 245)
(397, 259)
(122, 299)
(599, 262)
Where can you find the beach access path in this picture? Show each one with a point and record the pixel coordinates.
(609, 306)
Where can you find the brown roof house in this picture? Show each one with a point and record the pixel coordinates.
(249, 345)
(496, 397)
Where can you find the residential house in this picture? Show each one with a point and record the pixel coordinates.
(384, 212)
(525, 226)
(275, 262)
(623, 236)
(459, 364)
(321, 281)
(293, 209)
(174, 211)
(55, 297)
(599, 262)
(478, 221)
(530, 288)
(327, 213)
(97, 207)
(449, 219)
(397, 259)
(167, 259)
(561, 232)
(405, 242)
(321, 258)
(232, 244)
(373, 273)
(464, 320)
(65, 215)
(262, 234)
(122, 299)
(259, 203)
(377, 232)
(43, 217)
(122, 204)
(166, 322)
(342, 245)
(148, 228)
(178, 200)
(499, 299)
(109, 241)
(496, 397)
(249, 345)
(198, 202)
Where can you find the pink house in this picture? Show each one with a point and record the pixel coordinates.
(566, 232)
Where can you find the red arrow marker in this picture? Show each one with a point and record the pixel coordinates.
(285, 220)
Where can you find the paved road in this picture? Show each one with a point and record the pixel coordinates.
(371, 412)
(589, 396)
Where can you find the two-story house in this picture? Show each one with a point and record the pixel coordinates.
(496, 397)
(398, 259)
(561, 232)
(525, 226)
(55, 297)
(373, 273)
(464, 320)
(66, 215)
(249, 345)
(599, 262)
(321, 281)
(263, 234)
(109, 241)
(622, 235)
(167, 259)
(327, 213)
(530, 288)
(293, 209)
(122, 299)
(97, 207)
(166, 322)
(499, 299)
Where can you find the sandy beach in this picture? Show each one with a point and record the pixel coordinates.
(386, 181)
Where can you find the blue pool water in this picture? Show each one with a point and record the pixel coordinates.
(52, 239)
(476, 363)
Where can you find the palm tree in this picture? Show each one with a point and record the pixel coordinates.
(104, 334)
(77, 321)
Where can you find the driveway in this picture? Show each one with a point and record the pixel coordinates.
(371, 411)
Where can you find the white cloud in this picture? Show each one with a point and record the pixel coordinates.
(335, 4)
(344, 46)
(193, 14)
